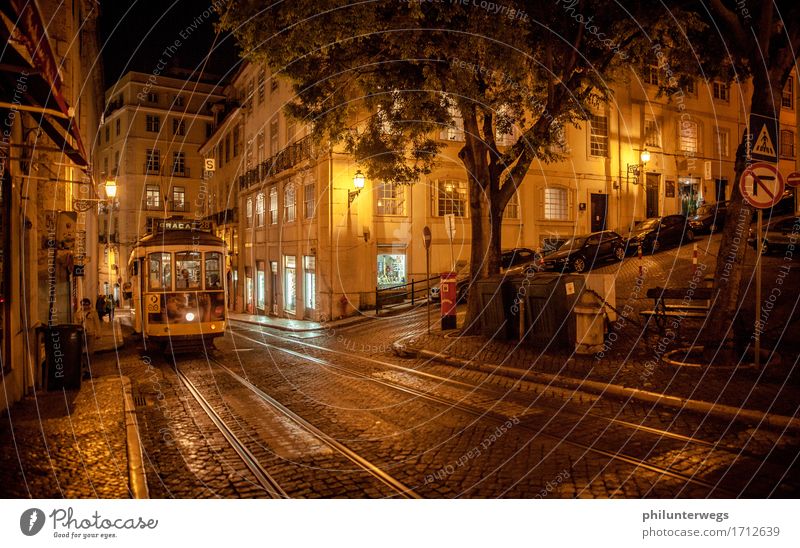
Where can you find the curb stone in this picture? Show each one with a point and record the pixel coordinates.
(137, 478)
(623, 392)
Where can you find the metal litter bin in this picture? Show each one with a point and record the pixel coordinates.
(63, 346)
(548, 317)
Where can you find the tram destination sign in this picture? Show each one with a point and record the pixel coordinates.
(181, 224)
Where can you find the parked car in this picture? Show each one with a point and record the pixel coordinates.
(582, 253)
(709, 218)
(778, 235)
(657, 232)
(785, 206)
(518, 256)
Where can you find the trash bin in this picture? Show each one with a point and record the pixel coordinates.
(548, 300)
(63, 346)
(590, 324)
(495, 296)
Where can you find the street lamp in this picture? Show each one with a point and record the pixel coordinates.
(111, 188)
(636, 169)
(358, 183)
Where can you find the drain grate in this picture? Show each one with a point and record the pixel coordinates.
(139, 400)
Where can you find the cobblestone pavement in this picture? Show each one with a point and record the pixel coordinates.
(68, 444)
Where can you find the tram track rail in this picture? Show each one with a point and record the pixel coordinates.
(488, 414)
(262, 475)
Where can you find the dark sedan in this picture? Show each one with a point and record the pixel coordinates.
(581, 253)
(657, 232)
(709, 218)
(780, 235)
(518, 256)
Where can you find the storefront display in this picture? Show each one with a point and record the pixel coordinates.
(391, 269)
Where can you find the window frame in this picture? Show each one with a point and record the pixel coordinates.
(153, 162)
(788, 94)
(559, 205)
(273, 205)
(249, 211)
(440, 204)
(596, 139)
(260, 208)
(395, 196)
(310, 199)
(152, 123)
(787, 146)
(289, 205)
(163, 287)
(720, 91)
(682, 124)
(717, 142)
(151, 191)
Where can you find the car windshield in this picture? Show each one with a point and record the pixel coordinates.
(647, 224)
(573, 243)
(707, 210)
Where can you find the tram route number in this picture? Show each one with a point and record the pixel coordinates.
(153, 303)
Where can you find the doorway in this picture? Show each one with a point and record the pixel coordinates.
(273, 285)
(688, 192)
(652, 183)
(599, 212)
(722, 189)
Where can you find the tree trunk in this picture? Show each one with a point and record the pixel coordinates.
(720, 332)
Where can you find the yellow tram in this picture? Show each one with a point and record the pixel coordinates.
(178, 280)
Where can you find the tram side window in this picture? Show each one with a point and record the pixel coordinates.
(213, 273)
(187, 270)
(160, 277)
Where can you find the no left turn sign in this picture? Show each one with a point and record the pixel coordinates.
(761, 185)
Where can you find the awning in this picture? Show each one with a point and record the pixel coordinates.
(30, 80)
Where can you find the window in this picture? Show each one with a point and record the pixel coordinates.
(105, 165)
(152, 199)
(178, 127)
(273, 205)
(116, 163)
(722, 138)
(598, 136)
(309, 282)
(260, 147)
(153, 160)
(291, 132)
(273, 137)
(290, 283)
(787, 143)
(512, 207)
(117, 125)
(650, 73)
(228, 148)
(556, 204)
(213, 270)
(652, 134)
(209, 129)
(152, 97)
(179, 163)
(391, 266)
(260, 209)
(152, 123)
(721, 91)
(391, 199)
(187, 270)
(454, 130)
(248, 101)
(787, 96)
(178, 198)
(249, 212)
(451, 198)
(310, 197)
(108, 134)
(262, 76)
(237, 137)
(178, 101)
(261, 286)
(160, 272)
(273, 85)
(289, 210)
(688, 136)
(691, 87)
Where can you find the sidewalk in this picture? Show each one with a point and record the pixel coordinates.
(301, 326)
(75, 443)
(629, 369)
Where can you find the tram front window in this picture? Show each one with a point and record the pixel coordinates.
(187, 270)
(213, 270)
(160, 272)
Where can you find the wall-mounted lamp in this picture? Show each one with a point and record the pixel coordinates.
(111, 188)
(636, 169)
(358, 183)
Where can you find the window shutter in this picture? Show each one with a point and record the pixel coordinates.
(434, 212)
(571, 204)
(540, 204)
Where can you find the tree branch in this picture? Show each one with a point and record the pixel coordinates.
(731, 21)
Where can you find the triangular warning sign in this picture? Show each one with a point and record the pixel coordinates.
(763, 144)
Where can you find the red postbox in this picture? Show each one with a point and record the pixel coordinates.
(448, 296)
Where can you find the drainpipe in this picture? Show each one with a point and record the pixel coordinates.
(619, 171)
(330, 226)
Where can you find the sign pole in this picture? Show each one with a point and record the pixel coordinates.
(758, 290)
(426, 239)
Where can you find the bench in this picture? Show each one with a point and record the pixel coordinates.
(694, 303)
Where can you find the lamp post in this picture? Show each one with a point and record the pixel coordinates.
(111, 193)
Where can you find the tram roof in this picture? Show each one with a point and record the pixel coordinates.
(179, 237)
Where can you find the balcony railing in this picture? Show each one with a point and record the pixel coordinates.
(283, 160)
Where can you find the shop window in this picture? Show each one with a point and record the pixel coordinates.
(290, 283)
(160, 272)
(261, 286)
(309, 282)
(187, 270)
(391, 268)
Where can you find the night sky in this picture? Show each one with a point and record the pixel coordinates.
(134, 36)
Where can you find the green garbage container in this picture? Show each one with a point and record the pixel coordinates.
(495, 296)
(548, 308)
(63, 346)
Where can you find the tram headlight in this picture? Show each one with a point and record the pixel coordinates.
(189, 316)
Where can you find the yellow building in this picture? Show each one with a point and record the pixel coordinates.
(308, 244)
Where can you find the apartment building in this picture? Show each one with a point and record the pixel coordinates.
(152, 130)
(309, 244)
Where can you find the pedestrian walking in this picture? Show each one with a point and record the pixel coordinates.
(91, 332)
(110, 308)
(100, 306)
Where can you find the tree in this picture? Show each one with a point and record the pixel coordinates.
(415, 67)
(761, 40)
